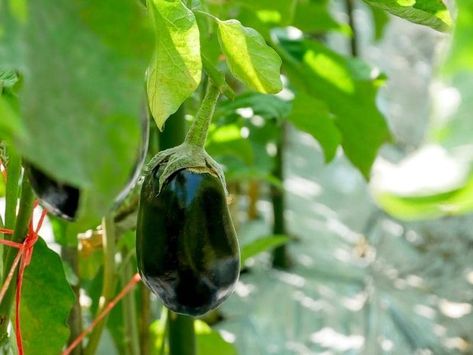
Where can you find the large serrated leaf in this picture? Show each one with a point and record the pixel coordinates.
(249, 58)
(176, 68)
(432, 13)
(83, 65)
(348, 88)
(46, 302)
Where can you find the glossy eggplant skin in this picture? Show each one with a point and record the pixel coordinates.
(186, 244)
(60, 199)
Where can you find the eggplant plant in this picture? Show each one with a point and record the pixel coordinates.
(74, 138)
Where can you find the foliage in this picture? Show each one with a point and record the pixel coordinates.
(208, 341)
(176, 67)
(44, 323)
(260, 245)
(77, 77)
(433, 13)
(451, 133)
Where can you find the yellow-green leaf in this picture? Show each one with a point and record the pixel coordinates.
(176, 68)
(432, 13)
(249, 58)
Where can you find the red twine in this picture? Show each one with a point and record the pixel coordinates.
(128, 287)
(23, 259)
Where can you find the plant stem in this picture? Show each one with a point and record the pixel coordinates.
(349, 4)
(70, 255)
(21, 229)
(108, 288)
(253, 197)
(132, 341)
(281, 259)
(12, 190)
(172, 136)
(180, 328)
(145, 320)
(181, 334)
(198, 132)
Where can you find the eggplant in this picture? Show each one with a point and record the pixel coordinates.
(62, 200)
(186, 245)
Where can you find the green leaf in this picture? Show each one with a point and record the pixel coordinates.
(249, 58)
(449, 203)
(10, 123)
(314, 17)
(46, 302)
(455, 129)
(82, 103)
(261, 245)
(266, 106)
(432, 13)
(208, 341)
(227, 141)
(462, 49)
(313, 116)
(176, 68)
(348, 88)
(8, 79)
(211, 53)
(380, 20)
(270, 12)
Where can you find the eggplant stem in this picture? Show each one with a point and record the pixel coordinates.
(197, 134)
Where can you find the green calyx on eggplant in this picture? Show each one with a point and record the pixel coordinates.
(187, 248)
(63, 200)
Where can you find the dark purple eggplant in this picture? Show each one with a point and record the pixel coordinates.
(187, 248)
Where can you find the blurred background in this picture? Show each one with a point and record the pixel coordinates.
(382, 267)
